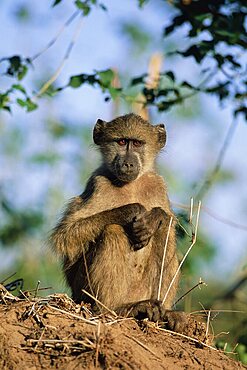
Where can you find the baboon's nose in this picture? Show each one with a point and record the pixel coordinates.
(128, 165)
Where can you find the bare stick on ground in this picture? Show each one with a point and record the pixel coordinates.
(100, 303)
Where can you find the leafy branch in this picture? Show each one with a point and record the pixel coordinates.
(217, 32)
(217, 35)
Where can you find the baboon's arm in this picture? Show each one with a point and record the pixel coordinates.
(72, 235)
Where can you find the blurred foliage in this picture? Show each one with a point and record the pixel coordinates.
(226, 309)
(228, 316)
(217, 36)
(138, 38)
(239, 351)
(217, 30)
(18, 223)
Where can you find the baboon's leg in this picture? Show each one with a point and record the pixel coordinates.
(118, 273)
(109, 271)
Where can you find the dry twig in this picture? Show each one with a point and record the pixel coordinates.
(97, 344)
(53, 78)
(142, 345)
(191, 210)
(214, 215)
(208, 322)
(194, 237)
(163, 258)
(187, 337)
(201, 282)
(102, 304)
(54, 39)
(73, 315)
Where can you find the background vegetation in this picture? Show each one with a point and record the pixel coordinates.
(65, 64)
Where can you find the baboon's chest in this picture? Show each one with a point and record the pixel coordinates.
(149, 190)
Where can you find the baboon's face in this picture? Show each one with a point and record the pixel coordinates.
(124, 157)
(129, 145)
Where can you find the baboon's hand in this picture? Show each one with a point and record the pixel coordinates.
(155, 311)
(123, 215)
(144, 226)
(176, 321)
(185, 324)
(126, 214)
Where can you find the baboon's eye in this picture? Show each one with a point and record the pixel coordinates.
(122, 142)
(137, 143)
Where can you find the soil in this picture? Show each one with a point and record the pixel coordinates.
(55, 333)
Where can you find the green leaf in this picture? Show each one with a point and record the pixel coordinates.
(15, 64)
(241, 110)
(82, 5)
(221, 90)
(138, 80)
(77, 81)
(21, 102)
(177, 21)
(114, 92)
(194, 51)
(220, 59)
(17, 67)
(19, 88)
(4, 100)
(231, 60)
(28, 104)
(202, 17)
(7, 108)
(31, 105)
(92, 79)
(22, 72)
(224, 33)
(106, 77)
(170, 74)
(187, 84)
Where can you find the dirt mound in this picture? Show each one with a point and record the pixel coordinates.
(55, 333)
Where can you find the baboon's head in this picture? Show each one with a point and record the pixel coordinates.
(129, 145)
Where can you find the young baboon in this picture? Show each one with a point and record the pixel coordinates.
(111, 238)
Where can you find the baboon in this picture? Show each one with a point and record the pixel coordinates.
(111, 238)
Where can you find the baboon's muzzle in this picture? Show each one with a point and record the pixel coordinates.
(127, 167)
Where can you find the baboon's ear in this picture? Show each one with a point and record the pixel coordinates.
(98, 131)
(161, 132)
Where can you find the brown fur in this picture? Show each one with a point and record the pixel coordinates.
(92, 238)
